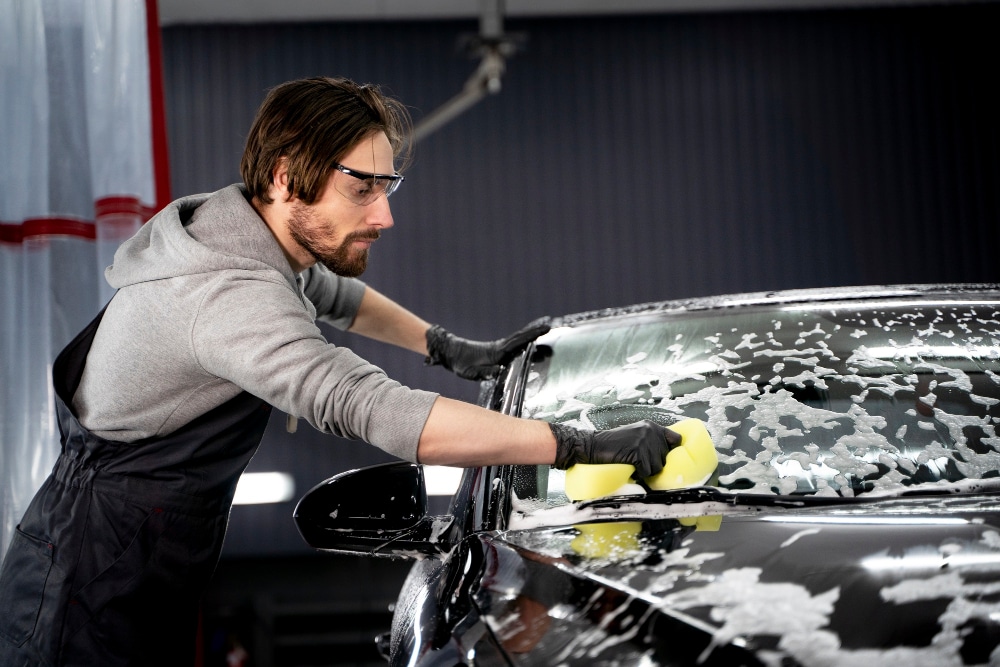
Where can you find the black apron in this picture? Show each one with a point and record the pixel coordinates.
(115, 550)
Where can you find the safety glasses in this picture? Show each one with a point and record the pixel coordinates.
(364, 188)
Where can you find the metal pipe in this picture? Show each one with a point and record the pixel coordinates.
(486, 80)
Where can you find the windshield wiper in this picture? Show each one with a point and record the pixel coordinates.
(709, 494)
(704, 494)
(963, 487)
(706, 500)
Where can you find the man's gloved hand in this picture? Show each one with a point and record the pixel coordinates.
(643, 445)
(476, 360)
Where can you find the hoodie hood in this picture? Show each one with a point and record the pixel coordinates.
(199, 234)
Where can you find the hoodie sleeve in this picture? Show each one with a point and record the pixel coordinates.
(260, 336)
(336, 298)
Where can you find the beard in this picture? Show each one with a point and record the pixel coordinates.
(311, 233)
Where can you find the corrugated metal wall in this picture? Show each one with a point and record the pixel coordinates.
(632, 159)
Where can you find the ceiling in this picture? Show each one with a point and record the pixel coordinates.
(173, 12)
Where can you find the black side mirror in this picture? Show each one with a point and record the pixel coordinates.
(379, 511)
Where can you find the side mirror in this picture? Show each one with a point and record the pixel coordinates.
(377, 511)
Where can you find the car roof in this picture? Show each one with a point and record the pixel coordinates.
(780, 297)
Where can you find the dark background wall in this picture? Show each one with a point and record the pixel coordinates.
(627, 159)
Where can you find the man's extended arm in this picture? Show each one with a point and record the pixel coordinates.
(465, 435)
(382, 319)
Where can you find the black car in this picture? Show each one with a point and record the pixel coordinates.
(853, 516)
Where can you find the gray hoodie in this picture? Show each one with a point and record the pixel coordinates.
(208, 306)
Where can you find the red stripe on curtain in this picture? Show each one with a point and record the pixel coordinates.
(106, 209)
(121, 205)
(34, 227)
(158, 123)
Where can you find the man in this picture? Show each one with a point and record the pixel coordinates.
(163, 399)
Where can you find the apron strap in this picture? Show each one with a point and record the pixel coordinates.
(68, 367)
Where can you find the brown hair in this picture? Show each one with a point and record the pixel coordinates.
(313, 123)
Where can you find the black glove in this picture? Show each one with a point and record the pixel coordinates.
(475, 360)
(643, 445)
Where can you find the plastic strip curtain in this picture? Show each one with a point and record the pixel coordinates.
(78, 175)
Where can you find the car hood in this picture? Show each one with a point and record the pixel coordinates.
(874, 583)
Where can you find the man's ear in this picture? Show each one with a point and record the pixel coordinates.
(279, 181)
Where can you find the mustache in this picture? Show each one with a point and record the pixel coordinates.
(372, 235)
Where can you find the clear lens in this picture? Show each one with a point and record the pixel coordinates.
(362, 188)
(391, 185)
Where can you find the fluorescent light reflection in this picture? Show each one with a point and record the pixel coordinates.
(872, 520)
(879, 305)
(929, 561)
(442, 480)
(258, 488)
(933, 352)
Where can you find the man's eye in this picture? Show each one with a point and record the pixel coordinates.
(364, 188)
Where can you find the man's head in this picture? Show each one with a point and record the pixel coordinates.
(312, 124)
(319, 166)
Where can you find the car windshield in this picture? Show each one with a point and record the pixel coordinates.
(838, 398)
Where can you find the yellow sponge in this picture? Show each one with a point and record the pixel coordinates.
(600, 540)
(710, 523)
(586, 481)
(689, 464)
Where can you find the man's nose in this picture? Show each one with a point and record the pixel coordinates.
(379, 214)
